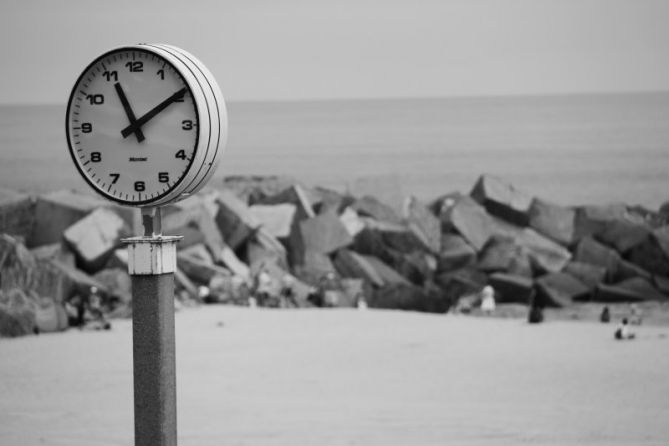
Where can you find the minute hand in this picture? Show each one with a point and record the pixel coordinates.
(152, 113)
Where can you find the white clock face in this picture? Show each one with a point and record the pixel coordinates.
(133, 126)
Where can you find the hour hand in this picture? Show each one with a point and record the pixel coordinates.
(136, 125)
(128, 111)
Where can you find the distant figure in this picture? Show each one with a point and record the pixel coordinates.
(315, 297)
(98, 320)
(263, 288)
(605, 316)
(361, 302)
(635, 314)
(329, 289)
(487, 300)
(623, 331)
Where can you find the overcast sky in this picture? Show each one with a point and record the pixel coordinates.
(300, 49)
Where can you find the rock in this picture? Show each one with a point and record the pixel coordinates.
(330, 201)
(277, 219)
(591, 220)
(17, 214)
(295, 195)
(553, 221)
(401, 297)
(199, 270)
(351, 221)
(424, 225)
(228, 258)
(76, 281)
(57, 211)
(252, 189)
(117, 282)
(95, 237)
(661, 283)
(589, 275)
(369, 206)
(461, 282)
(628, 270)
(502, 254)
(234, 220)
(385, 188)
(353, 290)
(590, 251)
(631, 290)
(418, 267)
(199, 252)
(324, 234)
(264, 245)
(560, 289)
(455, 253)
(316, 266)
(17, 314)
(56, 251)
(502, 200)
(653, 253)
(353, 265)
(511, 288)
(622, 235)
(545, 254)
(470, 220)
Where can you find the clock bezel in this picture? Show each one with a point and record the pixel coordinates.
(200, 105)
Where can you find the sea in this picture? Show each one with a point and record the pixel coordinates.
(567, 149)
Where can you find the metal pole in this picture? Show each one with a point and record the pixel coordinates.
(151, 264)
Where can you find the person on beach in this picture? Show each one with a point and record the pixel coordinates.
(623, 331)
(488, 300)
(287, 293)
(263, 288)
(635, 314)
(605, 316)
(535, 314)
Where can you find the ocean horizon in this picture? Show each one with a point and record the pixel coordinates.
(568, 149)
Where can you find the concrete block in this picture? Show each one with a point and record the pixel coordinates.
(553, 221)
(502, 254)
(502, 200)
(295, 195)
(455, 253)
(351, 221)
(277, 219)
(590, 275)
(590, 251)
(234, 220)
(369, 206)
(17, 214)
(545, 254)
(622, 235)
(560, 290)
(95, 237)
(425, 225)
(631, 290)
(511, 288)
(324, 234)
(199, 270)
(470, 220)
(591, 220)
(653, 253)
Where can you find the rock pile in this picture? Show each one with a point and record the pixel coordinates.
(400, 254)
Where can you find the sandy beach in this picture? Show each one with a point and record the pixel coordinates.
(316, 377)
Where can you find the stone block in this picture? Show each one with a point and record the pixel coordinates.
(653, 253)
(461, 282)
(628, 270)
(199, 270)
(277, 219)
(631, 290)
(17, 214)
(560, 290)
(234, 220)
(511, 288)
(502, 200)
(353, 265)
(324, 234)
(95, 237)
(590, 251)
(470, 220)
(295, 195)
(545, 254)
(553, 221)
(369, 206)
(424, 225)
(622, 235)
(503, 254)
(351, 221)
(455, 253)
(264, 246)
(589, 275)
(591, 220)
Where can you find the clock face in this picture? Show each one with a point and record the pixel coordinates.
(133, 125)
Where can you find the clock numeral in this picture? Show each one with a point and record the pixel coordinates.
(181, 154)
(135, 67)
(161, 73)
(115, 177)
(109, 75)
(96, 157)
(163, 177)
(96, 99)
(86, 127)
(187, 124)
(140, 186)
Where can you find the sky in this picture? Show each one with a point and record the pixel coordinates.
(340, 49)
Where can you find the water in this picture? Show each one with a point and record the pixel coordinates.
(567, 149)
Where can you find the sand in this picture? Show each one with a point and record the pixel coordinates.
(346, 377)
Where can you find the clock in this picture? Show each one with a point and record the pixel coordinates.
(146, 124)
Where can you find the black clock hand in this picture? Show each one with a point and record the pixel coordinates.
(128, 111)
(152, 113)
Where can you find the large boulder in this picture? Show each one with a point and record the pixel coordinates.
(17, 314)
(510, 288)
(560, 289)
(57, 211)
(17, 214)
(424, 225)
(255, 188)
(653, 253)
(545, 254)
(369, 206)
(461, 282)
(455, 253)
(95, 237)
(503, 254)
(409, 297)
(264, 246)
(589, 275)
(295, 195)
(591, 220)
(277, 219)
(234, 220)
(553, 221)
(353, 265)
(351, 221)
(502, 200)
(630, 290)
(324, 234)
(316, 266)
(198, 269)
(622, 235)
(590, 251)
(469, 219)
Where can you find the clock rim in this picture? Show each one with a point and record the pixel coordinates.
(169, 195)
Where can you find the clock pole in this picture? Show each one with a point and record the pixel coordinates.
(151, 264)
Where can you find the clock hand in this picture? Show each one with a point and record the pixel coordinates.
(128, 111)
(152, 113)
